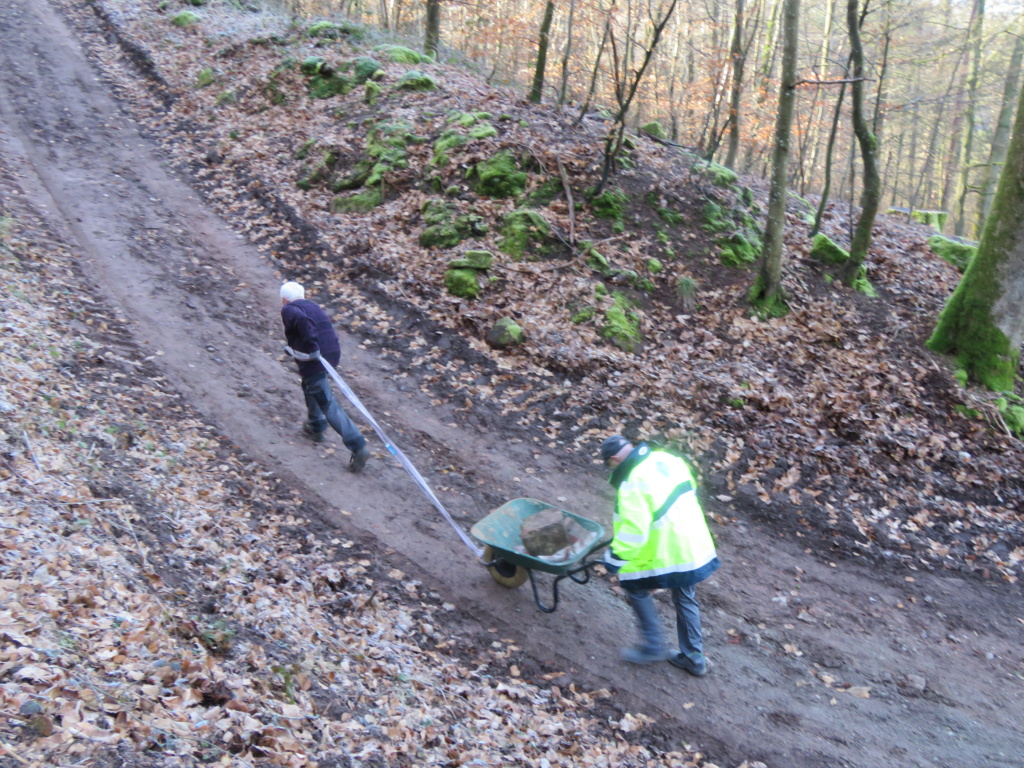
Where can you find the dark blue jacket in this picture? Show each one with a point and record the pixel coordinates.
(308, 329)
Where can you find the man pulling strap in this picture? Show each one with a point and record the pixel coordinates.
(310, 336)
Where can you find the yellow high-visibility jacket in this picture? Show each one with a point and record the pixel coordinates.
(660, 536)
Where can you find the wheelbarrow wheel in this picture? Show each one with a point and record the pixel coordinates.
(505, 573)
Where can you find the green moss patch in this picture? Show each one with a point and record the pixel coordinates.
(498, 176)
(362, 203)
(185, 19)
(474, 260)
(739, 250)
(464, 283)
(956, 253)
(414, 80)
(610, 204)
(401, 55)
(543, 193)
(523, 230)
(483, 131)
(446, 228)
(205, 77)
(654, 266)
(622, 324)
(667, 215)
(330, 31)
(719, 175)
(582, 314)
(449, 140)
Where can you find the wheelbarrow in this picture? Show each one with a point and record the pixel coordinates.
(507, 561)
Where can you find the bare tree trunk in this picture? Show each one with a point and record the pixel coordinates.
(625, 90)
(738, 60)
(537, 89)
(597, 65)
(967, 148)
(432, 35)
(1001, 139)
(567, 53)
(872, 191)
(827, 186)
(767, 293)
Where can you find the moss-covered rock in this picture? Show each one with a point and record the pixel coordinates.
(372, 94)
(739, 250)
(654, 129)
(361, 203)
(185, 19)
(355, 177)
(364, 68)
(326, 86)
(327, 30)
(827, 252)
(463, 283)
(520, 230)
(610, 204)
(861, 284)
(716, 218)
(414, 80)
(622, 324)
(504, 334)
(312, 65)
(473, 260)
(401, 55)
(498, 176)
(719, 175)
(956, 253)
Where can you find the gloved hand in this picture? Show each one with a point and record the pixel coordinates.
(611, 562)
(303, 356)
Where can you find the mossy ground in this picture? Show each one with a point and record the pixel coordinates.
(524, 231)
(956, 253)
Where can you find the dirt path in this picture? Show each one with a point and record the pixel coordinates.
(815, 663)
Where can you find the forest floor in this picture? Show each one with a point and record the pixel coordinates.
(188, 580)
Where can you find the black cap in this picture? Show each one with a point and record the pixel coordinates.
(611, 446)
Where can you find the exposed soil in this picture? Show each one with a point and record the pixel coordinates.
(816, 661)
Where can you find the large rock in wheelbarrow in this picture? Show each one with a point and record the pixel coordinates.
(550, 531)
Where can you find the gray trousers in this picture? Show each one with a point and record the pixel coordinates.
(652, 638)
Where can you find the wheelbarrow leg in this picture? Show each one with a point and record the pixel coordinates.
(536, 593)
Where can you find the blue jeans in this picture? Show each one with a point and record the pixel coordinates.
(324, 410)
(684, 599)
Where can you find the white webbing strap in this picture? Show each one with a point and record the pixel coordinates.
(397, 453)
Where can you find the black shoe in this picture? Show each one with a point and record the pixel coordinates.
(358, 460)
(697, 668)
(317, 437)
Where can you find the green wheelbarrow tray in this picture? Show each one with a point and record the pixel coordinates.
(499, 532)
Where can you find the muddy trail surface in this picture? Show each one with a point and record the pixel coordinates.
(815, 662)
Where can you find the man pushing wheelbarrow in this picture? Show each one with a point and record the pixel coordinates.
(660, 541)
